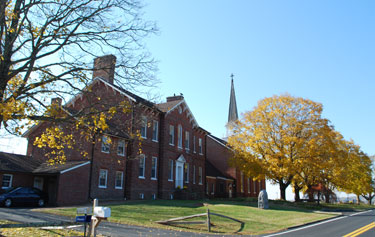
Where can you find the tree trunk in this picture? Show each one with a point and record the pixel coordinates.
(327, 196)
(282, 191)
(358, 200)
(310, 193)
(296, 193)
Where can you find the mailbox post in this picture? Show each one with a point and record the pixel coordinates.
(99, 214)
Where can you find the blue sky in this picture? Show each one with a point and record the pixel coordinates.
(320, 50)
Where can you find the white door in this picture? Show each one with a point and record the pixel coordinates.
(179, 175)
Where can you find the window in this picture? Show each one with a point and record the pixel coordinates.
(170, 170)
(7, 181)
(141, 167)
(194, 144)
(144, 127)
(207, 188)
(200, 175)
(242, 180)
(155, 130)
(106, 144)
(179, 136)
(103, 178)
(121, 148)
(187, 140)
(200, 146)
(248, 185)
(255, 186)
(119, 179)
(186, 172)
(213, 189)
(171, 135)
(154, 165)
(38, 182)
(194, 174)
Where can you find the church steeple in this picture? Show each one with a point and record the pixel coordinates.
(233, 115)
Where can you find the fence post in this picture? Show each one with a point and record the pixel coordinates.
(208, 220)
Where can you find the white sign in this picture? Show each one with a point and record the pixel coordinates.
(84, 210)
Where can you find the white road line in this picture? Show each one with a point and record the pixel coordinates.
(320, 223)
(360, 213)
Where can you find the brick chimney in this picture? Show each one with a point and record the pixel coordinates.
(175, 97)
(56, 101)
(104, 67)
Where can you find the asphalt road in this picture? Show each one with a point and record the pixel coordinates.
(350, 224)
(27, 215)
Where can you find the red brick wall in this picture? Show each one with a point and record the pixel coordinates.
(173, 152)
(73, 186)
(219, 156)
(18, 180)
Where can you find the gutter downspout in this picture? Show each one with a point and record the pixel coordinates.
(91, 166)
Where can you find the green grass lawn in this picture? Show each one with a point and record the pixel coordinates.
(33, 231)
(281, 215)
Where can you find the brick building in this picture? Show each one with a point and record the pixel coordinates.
(178, 158)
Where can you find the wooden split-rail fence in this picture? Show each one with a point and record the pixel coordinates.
(178, 220)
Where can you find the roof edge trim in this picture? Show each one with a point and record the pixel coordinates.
(74, 167)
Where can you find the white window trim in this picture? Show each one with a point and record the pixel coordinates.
(187, 173)
(156, 168)
(248, 185)
(104, 146)
(200, 146)
(157, 131)
(144, 124)
(106, 178)
(171, 180)
(242, 183)
(194, 174)
(123, 153)
(194, 148)
(144, 166)
(171, 126)
(187, 141)
(179, 136)
(200, 176)
(10, 181)
(122, 180)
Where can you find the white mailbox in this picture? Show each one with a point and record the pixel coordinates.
(103, 212)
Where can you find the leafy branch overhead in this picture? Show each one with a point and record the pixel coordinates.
(46, 51)
(47, 48)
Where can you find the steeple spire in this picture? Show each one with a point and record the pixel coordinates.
(233, 115)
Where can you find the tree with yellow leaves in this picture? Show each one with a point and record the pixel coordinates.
(278, 138)
(46, 51)
(357, 174)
